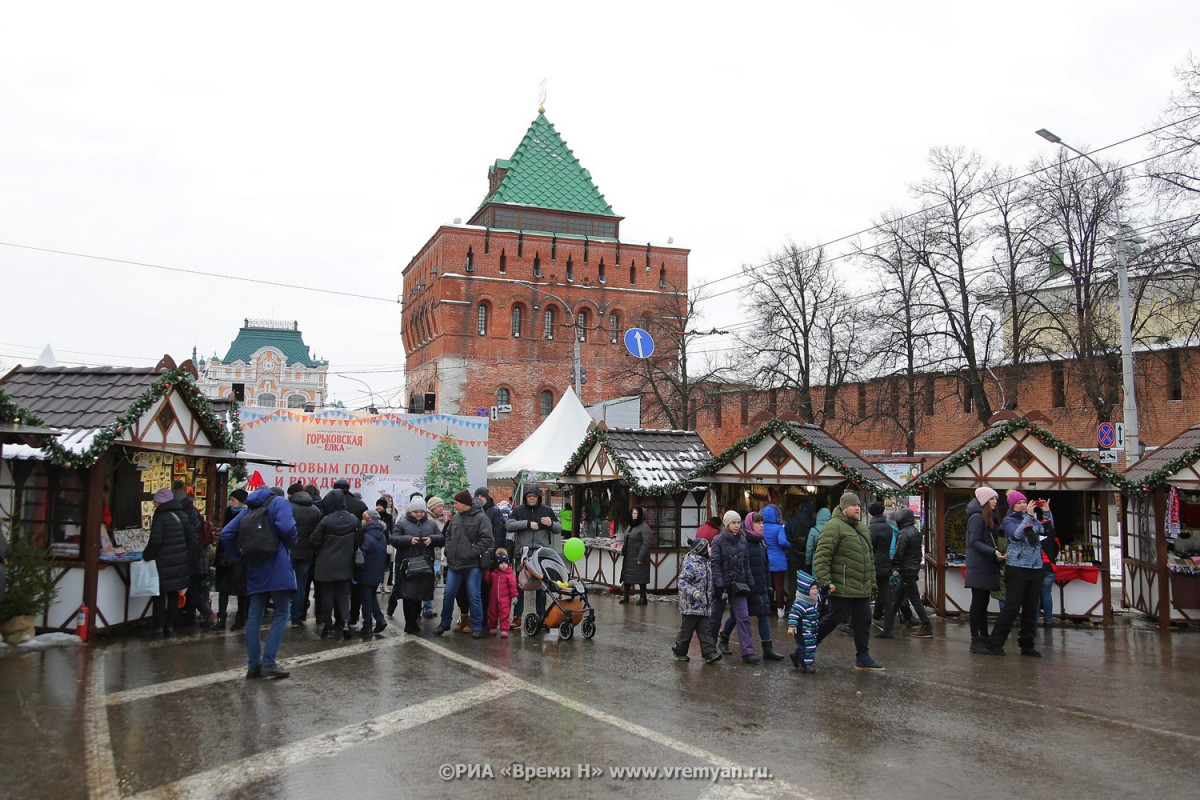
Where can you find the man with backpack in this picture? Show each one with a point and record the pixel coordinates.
(262, 536)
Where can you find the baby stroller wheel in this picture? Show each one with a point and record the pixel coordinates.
(566, 631)
(589, 628)
(533, 624)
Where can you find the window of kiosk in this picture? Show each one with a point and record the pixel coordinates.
(49, 509)
(662, 516)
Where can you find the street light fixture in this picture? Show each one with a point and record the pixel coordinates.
(574, 334)
(1133, 443)
(373, 409)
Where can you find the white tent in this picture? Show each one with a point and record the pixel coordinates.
(549, 447)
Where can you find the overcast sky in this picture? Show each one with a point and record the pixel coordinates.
(321, 145)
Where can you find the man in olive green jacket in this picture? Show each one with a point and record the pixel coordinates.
(844, 566)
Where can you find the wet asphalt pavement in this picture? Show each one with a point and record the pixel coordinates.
(1106, 713)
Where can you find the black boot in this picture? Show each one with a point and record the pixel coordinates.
(723, 645)
(219, 624)
(641, 595)
(625, 599)
(239, 622)
(769, 651)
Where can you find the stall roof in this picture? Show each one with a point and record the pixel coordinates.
(651, 461)
(15, 433)
(95, 408)
(548, 447)
(1019, 454)
(1176, 461)
(793, 452)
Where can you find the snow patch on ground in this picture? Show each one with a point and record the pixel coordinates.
(40, 642)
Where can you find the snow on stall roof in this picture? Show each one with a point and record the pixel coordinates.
(659, 458)
(76, 441)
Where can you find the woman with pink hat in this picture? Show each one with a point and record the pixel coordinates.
(983, 563)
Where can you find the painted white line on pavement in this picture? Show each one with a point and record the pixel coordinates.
(181, 684)
(97, 741)
(762, 788)
(227, 779)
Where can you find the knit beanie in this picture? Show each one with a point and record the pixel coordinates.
(875, 508)
(985, 495)
(1015, 497)
(432, 503)
(239, 494)
(164, 496)
(416, 504)
(464, 497)
(849, 499)
(373, 515)
(700, 547)
(730, 516)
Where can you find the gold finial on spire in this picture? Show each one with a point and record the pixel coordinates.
(542, 97)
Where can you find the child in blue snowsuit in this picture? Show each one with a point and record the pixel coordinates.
(802, 622)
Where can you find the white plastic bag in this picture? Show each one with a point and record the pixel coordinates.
(143, 579)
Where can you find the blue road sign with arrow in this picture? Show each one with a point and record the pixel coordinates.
(639, 343)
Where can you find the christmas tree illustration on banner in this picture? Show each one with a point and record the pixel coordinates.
(446, 469)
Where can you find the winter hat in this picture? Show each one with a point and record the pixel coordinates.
(343, 484)
(417, 504)
(985, 495)
(433, 502)
(1015, 497)
(699, 547)
(731, 516)
(372, 515)
(164, 496)
(295, 487)
(239, 494)
(277, 491)
(463, 497)
(875, 508)
(482, 491)
(502, 558)
(849, 499)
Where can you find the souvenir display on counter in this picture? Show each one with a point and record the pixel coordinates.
(1173, 514)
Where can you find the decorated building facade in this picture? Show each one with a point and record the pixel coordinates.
(267, 365)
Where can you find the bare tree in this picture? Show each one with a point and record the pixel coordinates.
(802, 324)
(676, 381)
(901, 332)
(954, 203)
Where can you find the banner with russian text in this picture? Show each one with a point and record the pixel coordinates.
(374, 452)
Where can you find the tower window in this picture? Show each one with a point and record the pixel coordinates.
(502, 397)
(614, 325)
(503, 261)
(662, 277)
(482, 319)
(546, 402)
(570, 269)
(470, 260)
(537, 265)
(581, 325)
(600, 271)
(516, 322)
(632, 272)
(549, 323)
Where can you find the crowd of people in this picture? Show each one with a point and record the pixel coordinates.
(847, 572)
(836, 567)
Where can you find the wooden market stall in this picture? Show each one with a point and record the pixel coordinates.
(1160, 546)
(784, 462)
(1017, 453)
(122, 434)
(613, 470)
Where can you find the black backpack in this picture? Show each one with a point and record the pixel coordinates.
(256, 535)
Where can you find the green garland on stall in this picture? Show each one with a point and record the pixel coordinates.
(597, 435)
(996, 435)
(1184, 459)
(775, 428)
(107, 436)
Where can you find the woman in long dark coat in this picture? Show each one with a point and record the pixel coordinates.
(415, 537)
(635, 566)
(168, 549)
(983, 563)
(758, 604)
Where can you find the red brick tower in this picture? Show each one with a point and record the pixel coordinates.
(490, 306)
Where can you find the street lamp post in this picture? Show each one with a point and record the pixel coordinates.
(1133, 441)
(578, 372)
(372, 408)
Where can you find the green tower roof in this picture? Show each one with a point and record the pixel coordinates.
(544, 173)
(288, 340)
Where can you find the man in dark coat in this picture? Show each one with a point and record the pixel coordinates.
(354, 505)
(271, 579)
(469, 536)
(906, 565)
(881, 548)
(334, 541)
(168, 548)
(307, 516)
(531, 524)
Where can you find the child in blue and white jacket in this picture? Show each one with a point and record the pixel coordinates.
(802, 622)
(695, 604)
